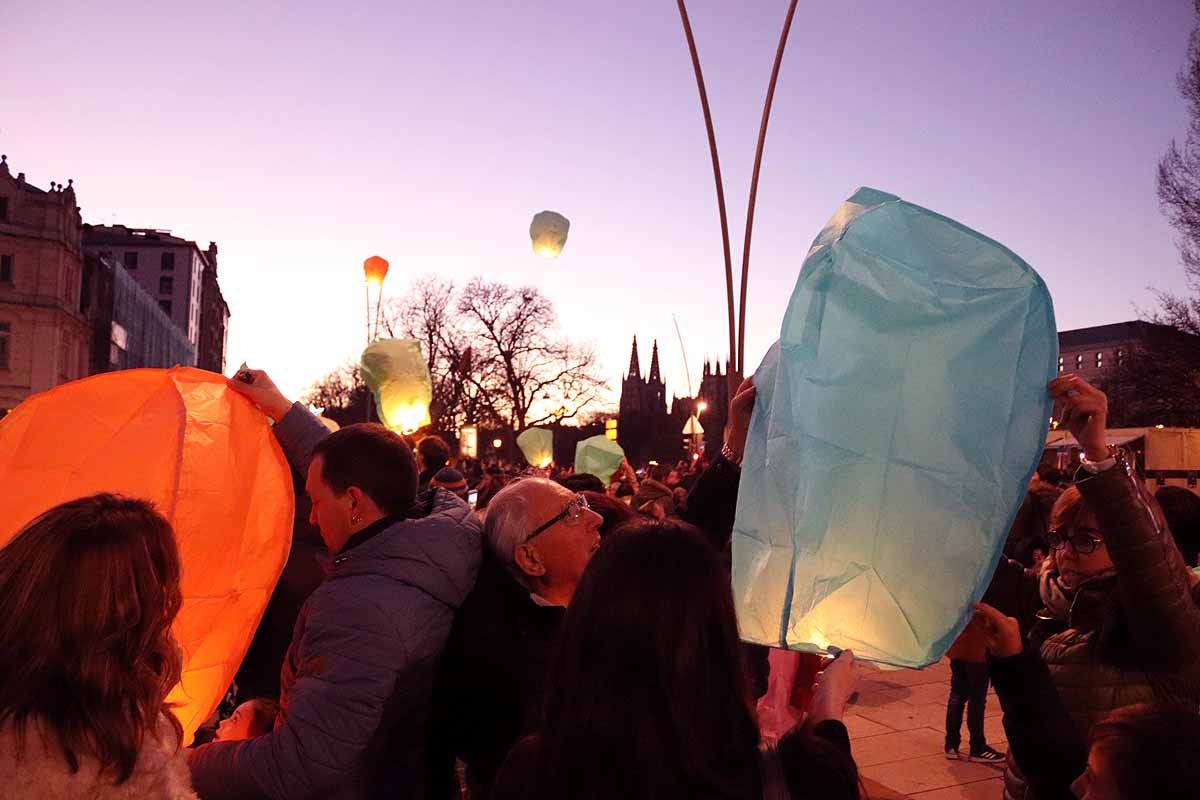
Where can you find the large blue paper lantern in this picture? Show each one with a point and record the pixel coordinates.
(898, 421)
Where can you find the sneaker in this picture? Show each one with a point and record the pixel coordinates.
(952, 753)
(986, 755)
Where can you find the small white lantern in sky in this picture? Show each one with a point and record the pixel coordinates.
(549, 233)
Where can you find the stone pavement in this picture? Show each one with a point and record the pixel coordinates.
(897, 728)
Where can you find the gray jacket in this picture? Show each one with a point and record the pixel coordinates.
(356, 685)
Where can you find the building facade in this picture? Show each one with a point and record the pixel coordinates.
(43, 335)
(172, 270)
(214, 318)
(130, 330)
(644, 428)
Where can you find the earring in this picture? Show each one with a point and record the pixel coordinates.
(355, 518)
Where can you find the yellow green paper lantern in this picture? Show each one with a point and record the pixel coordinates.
(598, 456)
(397, 374)
(537, 445)
(549, 233)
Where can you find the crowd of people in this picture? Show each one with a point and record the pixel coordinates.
(450, 629)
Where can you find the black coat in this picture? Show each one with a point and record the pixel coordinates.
(710, 507)
(489, 687)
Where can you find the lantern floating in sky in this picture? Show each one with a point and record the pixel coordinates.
(549, 233)
(884, 465)
(537, 445)
(396, 372)
(598, 456)
(375, 269)
(205, 456)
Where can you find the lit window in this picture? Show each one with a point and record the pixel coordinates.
(1079, 361)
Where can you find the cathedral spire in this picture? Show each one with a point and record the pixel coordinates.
(635, 369)
(655, 377)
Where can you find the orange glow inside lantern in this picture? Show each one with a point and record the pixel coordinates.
(208, 461)
(548, 231)
(375, 269)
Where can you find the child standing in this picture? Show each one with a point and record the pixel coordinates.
(968, 688)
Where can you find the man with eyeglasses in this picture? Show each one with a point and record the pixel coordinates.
(538, 537)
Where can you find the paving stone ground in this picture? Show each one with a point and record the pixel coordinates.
(897, 729)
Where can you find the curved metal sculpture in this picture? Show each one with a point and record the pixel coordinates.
(737, 336)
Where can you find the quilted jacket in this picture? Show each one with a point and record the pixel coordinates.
(356, 684)
(1133, 638)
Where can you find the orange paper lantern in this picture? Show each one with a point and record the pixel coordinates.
(207, 459)
(375, 269)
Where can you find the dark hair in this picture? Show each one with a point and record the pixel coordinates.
(1151, 751)
(435, 453)
(88, 592)
(647, 696)
(624, 489)
(265, 711)
(582, 482)
(814, 766)
(614, 511)
(1182, 510)
(374, 459)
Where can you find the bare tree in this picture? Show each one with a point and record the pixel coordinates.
(543, 377)
(465, 383)
(1179, 170)
(1156, 383)
(342, 394)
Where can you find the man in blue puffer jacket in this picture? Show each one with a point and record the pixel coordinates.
(355, 687)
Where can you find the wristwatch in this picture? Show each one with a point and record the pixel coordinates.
(1096, 467)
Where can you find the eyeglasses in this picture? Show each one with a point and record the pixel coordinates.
(1082, 543)
(572, 511)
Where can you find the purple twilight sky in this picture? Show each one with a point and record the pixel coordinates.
(305, 136)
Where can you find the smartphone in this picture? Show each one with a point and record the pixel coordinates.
(473, 497)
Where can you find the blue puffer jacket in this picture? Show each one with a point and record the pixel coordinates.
(357, 682)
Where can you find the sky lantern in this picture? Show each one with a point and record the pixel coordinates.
(885, 463)
(537, 445)
(375, 269)
(206, 458)
(598, 456)
(397, 373)
(549, 233)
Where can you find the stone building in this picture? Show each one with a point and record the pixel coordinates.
(130, 330)
(43, 335)
(644, 428)
(214, 318)
(181, 276)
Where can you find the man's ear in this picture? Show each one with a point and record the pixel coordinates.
(529, 560)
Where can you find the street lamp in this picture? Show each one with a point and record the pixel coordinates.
(375, 269)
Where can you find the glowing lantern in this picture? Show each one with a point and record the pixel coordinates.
(598, 456)
(397, 373)
(549, 233)
(208, 461)
(497, 442)
(468, 441)
(375, 269)
(883, 467)
(537, 445)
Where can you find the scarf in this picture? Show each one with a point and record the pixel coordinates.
(1057, 597)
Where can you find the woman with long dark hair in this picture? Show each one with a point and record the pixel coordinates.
(88, 592)
(648, 696)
